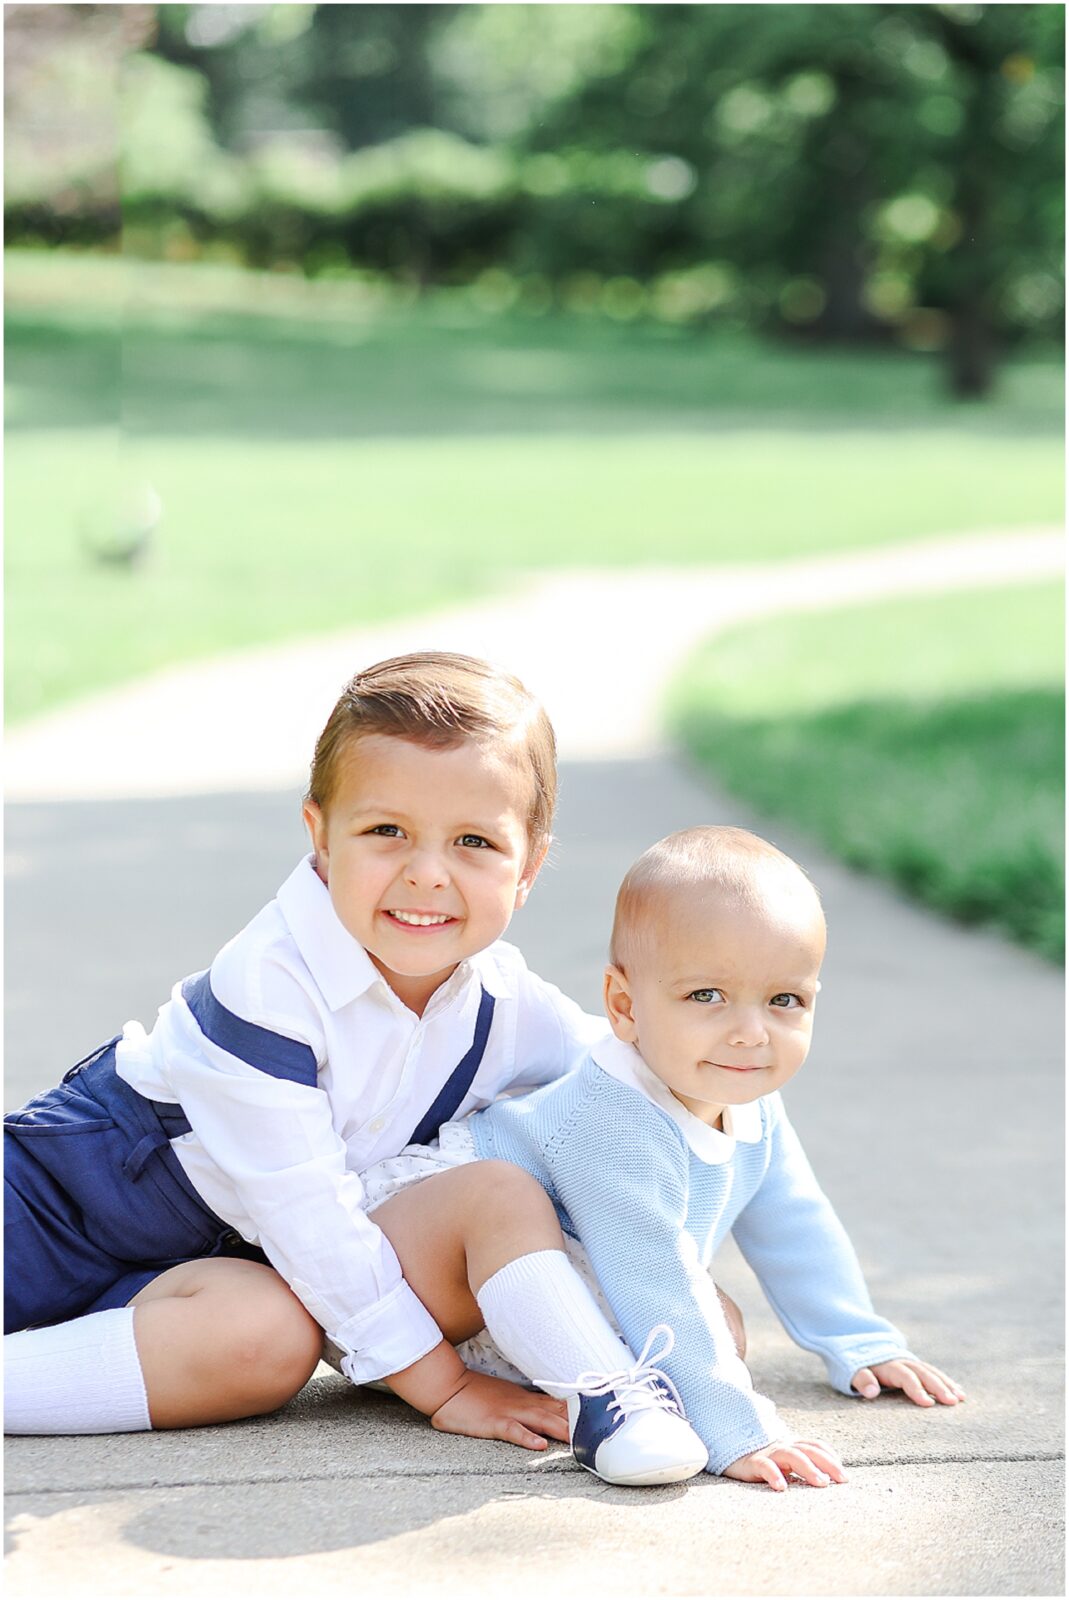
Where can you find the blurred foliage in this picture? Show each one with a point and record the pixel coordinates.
(874, 171)
(920, 739)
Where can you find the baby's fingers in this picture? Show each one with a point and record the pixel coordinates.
(866, 1383)
(898, 1376)
(769, 1472)
(824, 1458)
(795, 1460)
(945, 1390)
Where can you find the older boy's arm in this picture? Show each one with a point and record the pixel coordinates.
(458, 1400)
(795, 1243)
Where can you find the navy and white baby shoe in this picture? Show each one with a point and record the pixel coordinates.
(628, 1427)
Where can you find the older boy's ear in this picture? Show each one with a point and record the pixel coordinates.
(531, 870)
(316, 824)
(618, 1007)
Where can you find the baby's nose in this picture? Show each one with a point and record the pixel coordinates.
(748, 1029)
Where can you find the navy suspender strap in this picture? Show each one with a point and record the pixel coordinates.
(460, 1080)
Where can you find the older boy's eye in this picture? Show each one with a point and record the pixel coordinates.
(787, 1002)
(386, 830)
(706, 997)
(475, 841)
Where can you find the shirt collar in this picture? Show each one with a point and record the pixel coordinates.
(339, 963)
(623, 1062)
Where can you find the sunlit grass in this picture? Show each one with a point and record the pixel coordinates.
(325, 462)
(919, 739)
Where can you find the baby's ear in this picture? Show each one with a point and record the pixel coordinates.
(618, 1005)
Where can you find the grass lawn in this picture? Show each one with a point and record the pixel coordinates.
(920, 739)
(324, 458)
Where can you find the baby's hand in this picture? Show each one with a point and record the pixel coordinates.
(807, 1459)
(923, 1384)
(493, 1408)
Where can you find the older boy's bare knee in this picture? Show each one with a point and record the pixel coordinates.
(736, 1326)
(499, 1211)
(509, 1214)
(268, 1342)
(505, 1187)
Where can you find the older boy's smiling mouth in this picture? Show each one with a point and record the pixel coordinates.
(420, 919)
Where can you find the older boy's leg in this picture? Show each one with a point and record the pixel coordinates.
(221, 1339)
(455, 1230)
(481, 1246)
(81, 1376)
(205, 1342)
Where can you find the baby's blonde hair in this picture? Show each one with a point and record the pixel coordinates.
(738, 867)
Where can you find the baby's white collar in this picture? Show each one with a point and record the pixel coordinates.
(623, 1062)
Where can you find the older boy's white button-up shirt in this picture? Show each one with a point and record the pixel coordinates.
(279, 1160)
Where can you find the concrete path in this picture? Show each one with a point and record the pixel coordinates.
(931, 1107)
(598, 647)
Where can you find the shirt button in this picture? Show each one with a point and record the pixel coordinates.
(377, 1126)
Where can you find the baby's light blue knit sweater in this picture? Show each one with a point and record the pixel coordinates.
(627, 1178)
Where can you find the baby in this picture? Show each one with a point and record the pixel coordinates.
(671, 1134)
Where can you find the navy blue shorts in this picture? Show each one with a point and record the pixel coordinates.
(96, 1203)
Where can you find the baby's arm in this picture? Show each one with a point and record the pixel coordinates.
(620, 1170)
(795, 1243)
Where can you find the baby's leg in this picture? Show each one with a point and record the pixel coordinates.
(220, 1339)
(733, 1318)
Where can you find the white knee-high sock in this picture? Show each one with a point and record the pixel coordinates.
(76, 1377)
(543, 1318)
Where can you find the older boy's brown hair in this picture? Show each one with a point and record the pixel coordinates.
(437, 699)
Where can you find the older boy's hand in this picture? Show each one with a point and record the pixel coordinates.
(806, 1459)
(493, 1408)
(923, 1384)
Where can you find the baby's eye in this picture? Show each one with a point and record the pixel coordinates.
(386, 830)
(474, 841)
(787, 1002)
(706, 997)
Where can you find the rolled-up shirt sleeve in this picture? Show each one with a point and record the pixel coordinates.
(274, 1139)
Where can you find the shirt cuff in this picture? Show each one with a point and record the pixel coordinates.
(391, 1335)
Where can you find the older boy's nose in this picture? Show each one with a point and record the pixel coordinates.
(426, 869)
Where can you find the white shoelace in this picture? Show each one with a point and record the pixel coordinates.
(635, 1388)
